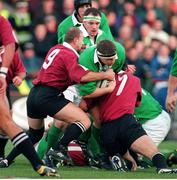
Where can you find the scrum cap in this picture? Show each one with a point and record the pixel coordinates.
(78, 3)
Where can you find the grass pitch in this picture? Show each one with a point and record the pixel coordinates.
(21, 169)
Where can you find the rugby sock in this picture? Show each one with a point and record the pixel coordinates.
(3, 142)
(41, 147)
(24, 145)
(52, 136)
(48, 140)
(159, 161)
(72, 133)
(34, 134)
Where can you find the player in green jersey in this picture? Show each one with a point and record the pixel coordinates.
(172, 86)
(153, 118)
(90, 59)
(171, 100)
(91, 28)
(76, 20)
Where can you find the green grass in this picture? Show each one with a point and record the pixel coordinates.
(22, 169)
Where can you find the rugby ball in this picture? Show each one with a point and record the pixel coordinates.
(103, 83)
(76, 154)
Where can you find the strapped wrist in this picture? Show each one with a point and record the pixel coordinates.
(3, 75)
(3, 71)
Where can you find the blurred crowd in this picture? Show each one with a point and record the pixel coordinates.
(146, 28)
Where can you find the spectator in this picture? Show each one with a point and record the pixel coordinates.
(41, 40)
(31, 61)
(146, 78)
(111, 16)
(133, 58)
(160, 66)
(172, 43)
(3, 11)
(47, 7)
(21, 22)
(125, 36)
(66, 10)
(145, 33)
(173, 25)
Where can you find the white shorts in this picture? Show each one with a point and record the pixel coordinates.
(158, 127)
(72, 95)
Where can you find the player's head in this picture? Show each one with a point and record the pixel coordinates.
(91, 21)
(106, 52)
(81, 6)
(74, 36)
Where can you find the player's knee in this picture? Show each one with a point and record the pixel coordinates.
(6, 123)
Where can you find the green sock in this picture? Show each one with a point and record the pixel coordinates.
(41, 147)
(94, 142)
(85, 135)
(53, 134)
(167, 153)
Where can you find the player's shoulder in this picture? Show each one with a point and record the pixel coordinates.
(89, 51)
(119, 46)
(67, 21)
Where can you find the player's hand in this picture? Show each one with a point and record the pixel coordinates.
(110, 75)
(83, 105)
(3, 85)
(131, 68)
(134, 165)
(111, 86)
(171, 102)
(17, 81)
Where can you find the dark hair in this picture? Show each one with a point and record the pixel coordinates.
(92, 11)
(72, 34)
(78, 3)
(106, 47)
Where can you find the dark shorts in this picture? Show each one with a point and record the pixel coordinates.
(44, 100)
(118, 135)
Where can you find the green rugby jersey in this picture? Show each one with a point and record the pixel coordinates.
(149, 108)
(90, 60)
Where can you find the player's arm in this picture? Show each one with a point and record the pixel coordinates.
(7, 59)
(97, 76)
(100, 91)
(171, 98)
(8, 55)
(60, 34)
(172, 85)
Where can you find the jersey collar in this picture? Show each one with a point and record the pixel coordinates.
(85, 33)
(70, 47)
(74, 19)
